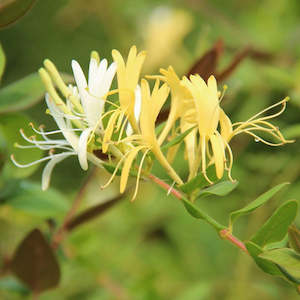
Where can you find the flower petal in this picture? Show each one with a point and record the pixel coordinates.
(82, 148)
(218, 154)
(126, 167)
(69, 135)
(46, 176)
(79, 76)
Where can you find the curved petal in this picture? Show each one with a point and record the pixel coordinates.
(79, 76)
(82, 148)
(218, 154)
(71, 138)
(46, 176)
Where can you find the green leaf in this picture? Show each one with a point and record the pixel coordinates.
(35, 264)
(276, 227)
(258, 202)
(12, 10)
(178, 139)
(24, 93)
(287, 259)
(267, 266)
(219, 189)
(21, 94)
(32, 200)
(197, 213)
(294, 238)
(2, 61)
(199, 181)
(10, 125)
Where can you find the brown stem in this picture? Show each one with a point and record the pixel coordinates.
(224, 234)
(60, 233)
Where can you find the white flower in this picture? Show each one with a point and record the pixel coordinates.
(92, 93)
(81, 112)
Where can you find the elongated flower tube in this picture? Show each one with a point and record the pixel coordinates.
(180, 95)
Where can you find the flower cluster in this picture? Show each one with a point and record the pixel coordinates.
(122, 123)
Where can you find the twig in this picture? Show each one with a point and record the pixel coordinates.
(60, 233)
(224, 233)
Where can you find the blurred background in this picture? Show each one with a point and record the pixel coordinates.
(152, 249)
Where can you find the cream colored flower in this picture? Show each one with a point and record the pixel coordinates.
(80, 112)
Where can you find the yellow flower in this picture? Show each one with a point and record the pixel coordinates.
(207, 114)
(216, 129)
(128, 89)
(146, 139)
(182, 106)
(128, 77)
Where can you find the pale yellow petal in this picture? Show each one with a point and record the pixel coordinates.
(226, 126)
(126, 167)
(218, 154)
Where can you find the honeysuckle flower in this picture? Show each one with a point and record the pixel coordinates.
(206, 101)
(82, 112)
(93, 92)
(129, 134)
(69, 144)
(210, 118)
(146, 139)
(128, 75)
(181, 107)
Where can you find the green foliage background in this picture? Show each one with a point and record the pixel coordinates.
(152, 249)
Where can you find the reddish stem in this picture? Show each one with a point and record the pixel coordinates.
(224, 233)
(165, 186)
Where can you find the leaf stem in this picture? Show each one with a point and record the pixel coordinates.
(224, 233)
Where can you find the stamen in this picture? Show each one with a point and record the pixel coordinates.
(12, 157)
(115, 171)
(47, 147)
(98, 123)
(33, 141)
(283, 102)
(43, 133)
(225, 87)
(258, 138)
(123, 128)
(139, 175)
